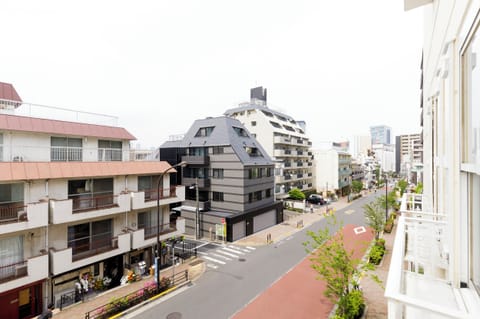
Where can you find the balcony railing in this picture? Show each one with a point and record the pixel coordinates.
(13, 212)
(66, 154)
(13, 271)
(91, 246)
(151, 232)
(82, 203)
(419, 283)
(109, 154)
(196, 159)
(152, 194)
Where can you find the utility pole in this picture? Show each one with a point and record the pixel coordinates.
(197, 212)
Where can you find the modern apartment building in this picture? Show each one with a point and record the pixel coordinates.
(282, 137)
(384, 154)
(381, 134)
(435, 264)
(408, 155)
(73, 206)
(333, 171)
(228, 178)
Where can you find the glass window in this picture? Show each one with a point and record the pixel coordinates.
(11, 253)
(217, 196)
(471, 107)
(65, 149)
(1, 147)
(204, 131)
(217, 173)
(217, 150)
(275, 124)
(240, 131)
(254, 123)
(474, 195)
(109, 150)
(268, 193)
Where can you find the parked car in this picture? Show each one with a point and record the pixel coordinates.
(316, 199)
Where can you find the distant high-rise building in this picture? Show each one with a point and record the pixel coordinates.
(361, 145)
(408, 152)
(381, 134)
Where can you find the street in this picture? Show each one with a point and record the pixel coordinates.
(231, 282)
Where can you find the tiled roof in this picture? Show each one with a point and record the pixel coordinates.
(37, 125)
(21, 171)
(7, 92)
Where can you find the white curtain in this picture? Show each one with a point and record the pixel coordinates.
(11, 253)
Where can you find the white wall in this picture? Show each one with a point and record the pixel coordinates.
(326, 169)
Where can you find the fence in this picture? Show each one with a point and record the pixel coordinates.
(148, 291)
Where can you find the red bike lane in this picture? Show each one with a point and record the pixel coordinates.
(298, 294)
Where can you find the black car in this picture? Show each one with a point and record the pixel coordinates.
(316, 199)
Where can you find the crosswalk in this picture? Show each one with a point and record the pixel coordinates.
(224, 254)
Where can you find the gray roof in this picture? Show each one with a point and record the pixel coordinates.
(223, 134)
(251, 106)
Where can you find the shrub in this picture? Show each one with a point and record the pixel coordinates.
(296, 194)
(380, 242)
(376, 254)
(388, 227)
(355, 304)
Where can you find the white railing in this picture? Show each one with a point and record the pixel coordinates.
(418, 284)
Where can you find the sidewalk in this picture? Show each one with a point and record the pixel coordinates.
(78, 310)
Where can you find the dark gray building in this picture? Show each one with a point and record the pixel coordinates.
(234, 176)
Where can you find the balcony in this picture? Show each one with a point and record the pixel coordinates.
(21, 217)
(63, 260)
(202, 205)
(283, 153)
(196, 159)
(148, 236)
(75, 209)
(419, 283)
(202, 182)
(23, 273)
(148, 198)
(282, 140)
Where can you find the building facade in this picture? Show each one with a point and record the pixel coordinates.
(333, 173)
(283, 138)
(435, 264)
(408, 155)
(74, 208)
(229, 177)
(381, 134)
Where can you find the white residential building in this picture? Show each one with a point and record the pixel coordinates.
(282, 137)
(332, 171)
(435, 264)
(385, 156)
(73, 205)
(361, 145)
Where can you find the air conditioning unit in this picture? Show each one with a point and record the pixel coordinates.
(21, 270)
(18, 158)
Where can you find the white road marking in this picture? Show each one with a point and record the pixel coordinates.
(349, 212)
(212, 266)
(220, 256)
(201, 252)
(214, 260)
(251, 248)
(233, 251)
(225, 253)
(359, 230)
(239, 249)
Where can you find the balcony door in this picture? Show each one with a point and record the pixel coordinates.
(91, 194)
(11, 257)
(89, 238)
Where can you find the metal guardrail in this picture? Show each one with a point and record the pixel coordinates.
(150, 290)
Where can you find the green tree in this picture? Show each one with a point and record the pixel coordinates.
(296, 194)
(357, 186)
(336, 266)
(402, 184)
(391, 200)
(375, 217)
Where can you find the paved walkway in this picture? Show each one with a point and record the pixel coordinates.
(377, 306)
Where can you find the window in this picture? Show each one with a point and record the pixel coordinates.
(65, 149)
(197, 151)
(281, 118)
(204, 131)
(11, 253)
(257, 195)
(254, 123)
(253, 151)
(91, 193)
(261, 172)
(267, 113)
(475, 227)
(148, 184)
(109, 150)
(289, 128)
(275, 124)
(11, 201)
(268, 193)
(250, 197)
(195, 172)
(217, 196)
(217, 173)
(217, 150)
(240, 131)
(148, 222)
(269, 171)
(253, 173)
(85, 237)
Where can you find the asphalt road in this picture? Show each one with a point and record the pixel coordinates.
(223, 291)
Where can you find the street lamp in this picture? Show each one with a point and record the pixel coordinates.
(157, 258)
(386, 198)
(197, 210)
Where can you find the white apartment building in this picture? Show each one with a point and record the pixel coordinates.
(332, 171)
(384, 154)
(361, 145)
(283, 138)
(435, 265)
(408, 155)
(73, 205)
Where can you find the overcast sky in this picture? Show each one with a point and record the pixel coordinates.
(342, 66)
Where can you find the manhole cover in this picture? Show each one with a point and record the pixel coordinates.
(174, 315)
(241, 259)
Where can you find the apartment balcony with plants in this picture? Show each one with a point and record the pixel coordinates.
(419, 280)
